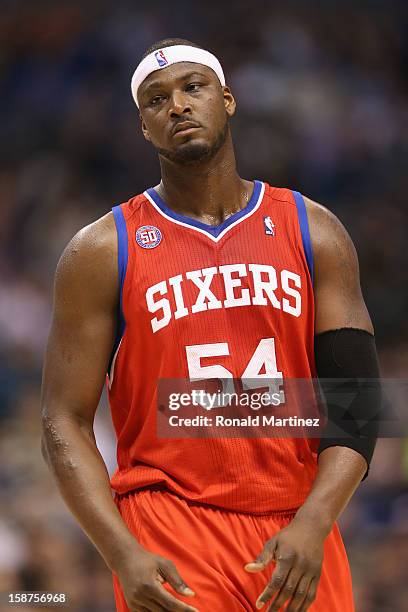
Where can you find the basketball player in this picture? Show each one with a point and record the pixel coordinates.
(206, 275)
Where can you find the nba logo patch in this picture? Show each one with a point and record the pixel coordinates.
(269, 226)
(148, 236)
(161, 58)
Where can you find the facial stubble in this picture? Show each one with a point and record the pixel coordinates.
(192, 152)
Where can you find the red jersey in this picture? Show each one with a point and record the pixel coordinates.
(198, 302)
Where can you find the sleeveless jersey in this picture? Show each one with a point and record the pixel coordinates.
(193, 296)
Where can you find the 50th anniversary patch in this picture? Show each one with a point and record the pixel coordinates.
(148, 236)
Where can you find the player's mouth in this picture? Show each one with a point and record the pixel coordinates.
(185, 127)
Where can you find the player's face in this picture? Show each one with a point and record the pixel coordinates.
(185, 112)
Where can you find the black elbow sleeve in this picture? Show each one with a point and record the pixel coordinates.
(347, 366)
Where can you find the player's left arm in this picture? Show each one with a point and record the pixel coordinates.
(344, 347)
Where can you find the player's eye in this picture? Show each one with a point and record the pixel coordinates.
(193, 87)
(156, 100)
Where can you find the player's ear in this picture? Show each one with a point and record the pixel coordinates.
(145, 130)
(229, 101)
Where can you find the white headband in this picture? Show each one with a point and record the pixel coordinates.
(162, 58)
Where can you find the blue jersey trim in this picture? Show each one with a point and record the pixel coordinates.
(122, 267)
(214, 230)
(304, 229)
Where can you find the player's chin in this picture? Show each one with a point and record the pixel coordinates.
(193, 150)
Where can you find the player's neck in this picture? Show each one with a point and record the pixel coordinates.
(210, 192)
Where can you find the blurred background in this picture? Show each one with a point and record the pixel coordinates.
(322, 94)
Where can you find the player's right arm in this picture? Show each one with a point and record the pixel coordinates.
(76, 361)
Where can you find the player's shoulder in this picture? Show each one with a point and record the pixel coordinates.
(321, 220)
(91, 252)
(329, 237)
(97, 238)
(319, 214)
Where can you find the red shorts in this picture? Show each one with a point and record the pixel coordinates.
(211, 546)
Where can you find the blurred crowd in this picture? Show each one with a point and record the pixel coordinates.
(322, 108)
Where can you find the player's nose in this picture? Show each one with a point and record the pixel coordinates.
(179, 104)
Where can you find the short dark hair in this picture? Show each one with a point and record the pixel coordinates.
(169, 42)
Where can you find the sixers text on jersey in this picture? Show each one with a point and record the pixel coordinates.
(263, 281)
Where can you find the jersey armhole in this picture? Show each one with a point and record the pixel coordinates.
(304, 230)
(122, 267)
